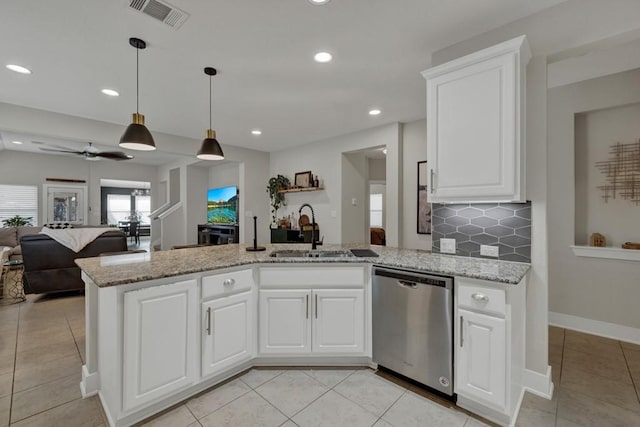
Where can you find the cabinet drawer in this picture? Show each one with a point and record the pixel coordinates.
(482, 299)
(220, 284)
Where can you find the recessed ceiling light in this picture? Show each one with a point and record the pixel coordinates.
(18, 69)
(17, 142)
(374, 112)
(323, 57)
(384, 151)
(319, 2)
(256, 132)
(110, 92)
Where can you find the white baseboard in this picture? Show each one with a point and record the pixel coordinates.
(595, 327)
(537, 383)
(90, 383)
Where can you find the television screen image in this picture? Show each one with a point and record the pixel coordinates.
(222, 205)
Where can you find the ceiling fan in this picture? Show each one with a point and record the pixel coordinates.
(89, 152)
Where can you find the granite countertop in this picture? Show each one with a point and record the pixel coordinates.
(130, 268)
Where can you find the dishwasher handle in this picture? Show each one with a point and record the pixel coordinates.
(407, 284)
(413, 277)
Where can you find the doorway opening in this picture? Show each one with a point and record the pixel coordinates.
(127, 205)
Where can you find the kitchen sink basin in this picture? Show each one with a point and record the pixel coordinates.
(311, 254)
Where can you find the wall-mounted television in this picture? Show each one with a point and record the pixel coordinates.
(222, 205)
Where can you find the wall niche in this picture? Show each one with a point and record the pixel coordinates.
(597, 210)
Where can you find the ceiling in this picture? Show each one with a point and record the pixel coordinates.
(263, 51)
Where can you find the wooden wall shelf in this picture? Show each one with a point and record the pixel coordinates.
(301, 189)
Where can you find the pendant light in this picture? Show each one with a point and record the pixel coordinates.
(137, 136)
(210, 148)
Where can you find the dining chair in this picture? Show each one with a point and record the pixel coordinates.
(134, 231)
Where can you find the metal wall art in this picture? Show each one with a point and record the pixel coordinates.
(622, 171)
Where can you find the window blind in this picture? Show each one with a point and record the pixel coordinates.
(118, 208)
(375, 210)
(19, 200)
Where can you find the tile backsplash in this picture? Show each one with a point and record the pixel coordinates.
(506, 225)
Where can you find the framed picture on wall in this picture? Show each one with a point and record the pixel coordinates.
(303, 179)
(424, 207)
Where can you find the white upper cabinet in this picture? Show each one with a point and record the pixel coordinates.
(476, 125)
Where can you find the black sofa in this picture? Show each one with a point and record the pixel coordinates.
(50, 267)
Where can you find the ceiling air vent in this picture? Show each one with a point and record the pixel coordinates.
(161, 11)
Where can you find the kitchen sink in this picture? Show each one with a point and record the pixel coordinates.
(311, 254)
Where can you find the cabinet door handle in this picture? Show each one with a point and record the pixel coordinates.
(229, 282)
(433, 181)
(209, 321)
(316, 305)
(307, 300)
(480, 297)
(461, 331)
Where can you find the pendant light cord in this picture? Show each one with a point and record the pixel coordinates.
(137, 80)
(210, 102)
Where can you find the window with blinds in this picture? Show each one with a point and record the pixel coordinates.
(375, 210)
(19, 200)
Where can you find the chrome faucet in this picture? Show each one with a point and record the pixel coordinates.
(313, 226)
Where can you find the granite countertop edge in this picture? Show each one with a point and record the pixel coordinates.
(132, 268)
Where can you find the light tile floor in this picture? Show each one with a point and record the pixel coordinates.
(42, 348)
(597, 383)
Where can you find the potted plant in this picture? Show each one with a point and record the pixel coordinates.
(277, 183)
(17, 221)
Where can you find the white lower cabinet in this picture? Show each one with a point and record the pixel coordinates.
(285, 326)
(227, 332)
(489, 347)
(338, 322)
(160, 342)
(312, 321)
(482, 357)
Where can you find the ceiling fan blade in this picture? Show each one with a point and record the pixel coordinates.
(114, 155)
(60, 147)
(61, 151)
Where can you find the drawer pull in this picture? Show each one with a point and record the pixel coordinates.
(229, 282)
(480, 297)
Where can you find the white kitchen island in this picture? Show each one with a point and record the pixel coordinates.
(164, 326)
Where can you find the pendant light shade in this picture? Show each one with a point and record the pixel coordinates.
(210, 148)
(137, 136)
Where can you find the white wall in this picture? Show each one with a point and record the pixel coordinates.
(254, 200)
(355, 188)
(196, 201)
(595, 133)
(324, 158)
(224, 175)
(22, 168)
(377, 170)
(597, 289)
(414, 142)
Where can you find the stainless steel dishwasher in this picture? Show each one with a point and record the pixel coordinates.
(413, 326)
